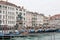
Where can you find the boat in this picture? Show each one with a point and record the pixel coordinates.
(9, 34)
(51, 30)
(46, 30)
(22, 31)
(2, 35)
(31, 31)
(16, 32)
(58, 30)
(39, 30)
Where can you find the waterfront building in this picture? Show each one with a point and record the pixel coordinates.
(10, 13)
(34, 19)
(40, 18)
(16, 16)
(7, 14)
(21, 17)
(46, 21)
(13, 15)
(55, 21)
(28, 19)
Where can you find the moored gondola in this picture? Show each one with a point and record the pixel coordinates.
(31, 31)
(39, 31)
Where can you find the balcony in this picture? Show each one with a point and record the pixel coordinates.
(34, 18)
(19, 21)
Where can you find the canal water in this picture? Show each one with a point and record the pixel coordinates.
(42, 36)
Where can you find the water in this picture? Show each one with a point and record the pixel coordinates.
(43, 36)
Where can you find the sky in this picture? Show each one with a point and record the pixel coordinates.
(47, 7)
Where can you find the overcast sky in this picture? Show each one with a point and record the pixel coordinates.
(47, 7)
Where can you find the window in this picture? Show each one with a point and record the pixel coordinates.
(0, 5)
(20, 9)
(8, 7)
(36, 24)
(0, 16)
(24, 10)
(24, 23)
(11, 13)
(3, 12)
(11, 17)
(0, 11)
(11, 22)
(4, 21)
(5, 7)
(24, 18)
(12, 8)
(24, 13)
(16, 12)
(16, 9)
(20, 13)
(4, 16)
(0, 21)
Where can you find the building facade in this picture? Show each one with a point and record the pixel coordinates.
(55, 21)
(21, 17)
(7, 13)
(31, 19)
(46, 21)
(11, 15)
(34, 19)
(40, 18)
(28, 19)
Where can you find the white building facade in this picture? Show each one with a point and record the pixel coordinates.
(7, 13)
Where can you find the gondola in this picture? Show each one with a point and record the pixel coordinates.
(31, 31)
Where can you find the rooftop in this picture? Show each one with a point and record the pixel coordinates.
(57, 16)
(7, 3)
